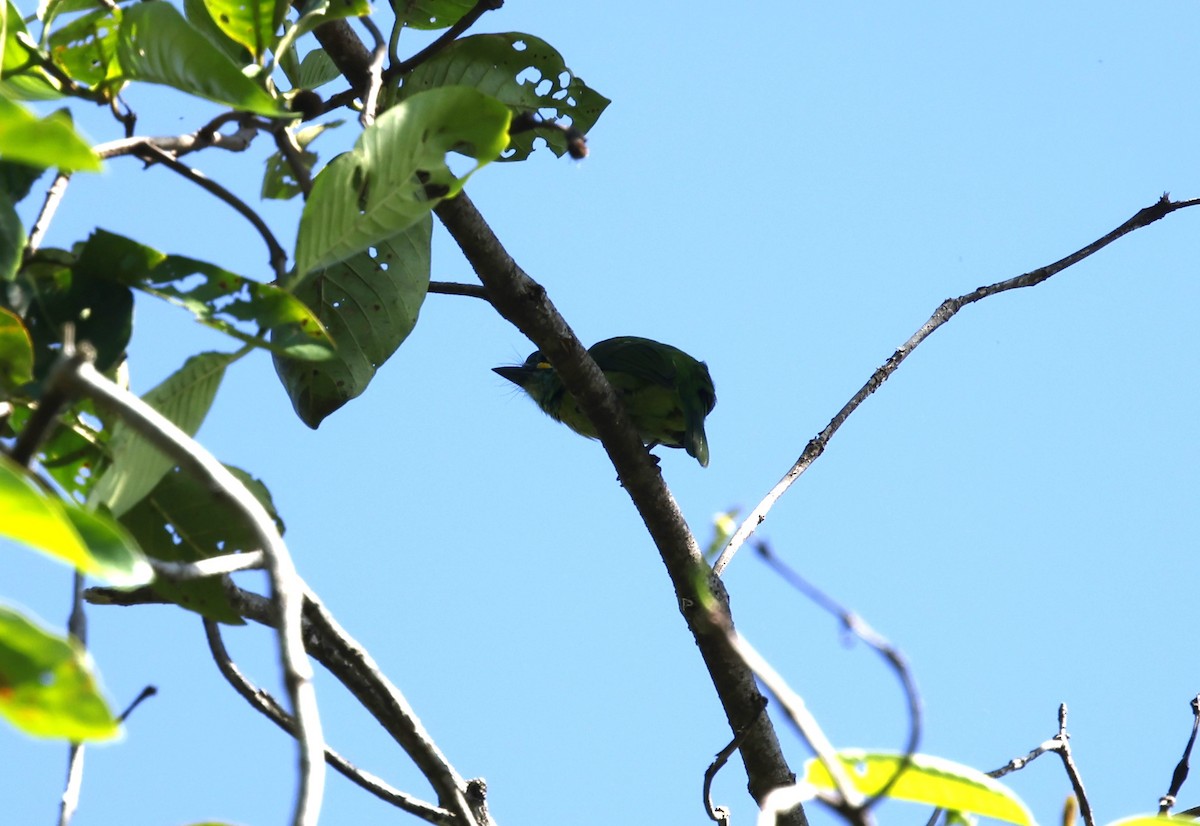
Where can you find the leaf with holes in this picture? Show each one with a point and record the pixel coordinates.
(431, 14)
(369, 304)
(250, 23)
(21, 77)
(156, 44)
(216, 297)
(180, 521)
(397, 173)
(86, 48)
(521, 71)
(47, 688)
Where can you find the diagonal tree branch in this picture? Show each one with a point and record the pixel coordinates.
(1144, 217)
(267, 705)
(80, 377)
(524, 302)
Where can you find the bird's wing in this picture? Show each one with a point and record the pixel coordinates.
(638, 357)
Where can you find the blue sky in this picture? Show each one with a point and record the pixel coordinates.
(786, 191)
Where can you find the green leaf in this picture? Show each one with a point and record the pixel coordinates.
(47, 142)
(16, 179)
(16, 352)
(316, 69)
(369, 303)
(73, 451)
(197, 14)
(48, 294)
(12, 238)
(431, 14)
(181, 521)
(521, 71)
(929, 780)
(313, 13)
(22, 77)
(86, 47)
(248, 22)
(216, 297)
(46, 685)
(279, 181)
(396, 173)
(156, 44)
(185, 398)
(92, 543)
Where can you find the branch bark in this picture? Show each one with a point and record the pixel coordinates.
(524, 302)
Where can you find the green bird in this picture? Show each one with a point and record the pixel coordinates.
(667, 392)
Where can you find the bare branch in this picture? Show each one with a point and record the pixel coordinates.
(1064, 751)
(213, 566)
(452, 288)
(891, 655)
(41, 224)
(524, 302)
(1181, 769)
(291, 152)
(178, 145)
(374, 72)
(719, 814)
(278, 257)
(849, 799)
(1144, 217)
(264, 703)
(286, 586)
(145, 694)
(400, 720)
(77, 627)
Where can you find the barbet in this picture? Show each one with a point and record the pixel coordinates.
(666, 392)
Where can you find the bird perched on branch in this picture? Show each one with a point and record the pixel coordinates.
(666, 392)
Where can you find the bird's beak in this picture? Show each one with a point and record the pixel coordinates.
(517, 375)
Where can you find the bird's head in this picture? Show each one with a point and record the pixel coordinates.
(536, 377)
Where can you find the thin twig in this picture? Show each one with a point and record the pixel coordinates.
(345, 658)
(454, 288)
(850, 799)
(55, 397)
(213, 566)
(291, 152)
(1181, 769)
(445, 39)
(77, 628)
(402, 721)
(145, 694)
(720, 814)
(286, 585)
(1163, 207)
(268, 706)
(278, 257)
(1060, 744)
(1064, 752)
(374, 72)
(54, 196)
(856, 625)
